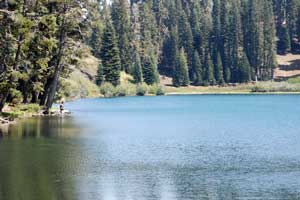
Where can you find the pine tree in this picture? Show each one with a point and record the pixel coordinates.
(205, 28)
(195, 25)
(150, 74)
(15, 32)
(110, 55)
(170, 50)
(261, 48)
(160, 13)
(224, 39)
(121, 21)
(298, 25)
(197, 68)
(216, 31)
(254, 36)
(96, 27)
(137, 70)
(218, 70)
(95, 40)
(244, 73)
(269, 43)
(292, 10)
(236, 40)
(149, 43)
(284, 44)
(100, 78)
(135, 29)
(185, 35)
(180, 74)
(209, 78)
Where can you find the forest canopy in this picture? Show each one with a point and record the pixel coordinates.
(196, 42)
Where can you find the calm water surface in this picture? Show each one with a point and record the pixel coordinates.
(157, 148)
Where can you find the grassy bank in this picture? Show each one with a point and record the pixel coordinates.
(268, 87)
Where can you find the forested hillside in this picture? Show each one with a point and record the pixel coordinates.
(196, 42)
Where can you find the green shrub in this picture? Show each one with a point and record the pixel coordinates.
(129, 89)
(156, 89)
(294, 80)
(31, 108)
(258, 88)
(160, 91)
(125, 89)
(11, 115)
(121, 91)
(141, 89)
(17, 96)
(276, 87)
(107, 90)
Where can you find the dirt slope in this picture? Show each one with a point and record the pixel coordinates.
(288, 66)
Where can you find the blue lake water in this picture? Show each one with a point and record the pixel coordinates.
(157, 148)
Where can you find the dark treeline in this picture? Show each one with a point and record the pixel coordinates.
(198, 42)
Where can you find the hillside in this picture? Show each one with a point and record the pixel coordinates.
(81, 82)
(288, 66)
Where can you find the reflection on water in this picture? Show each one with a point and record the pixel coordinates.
(36, 158)
(168, 148)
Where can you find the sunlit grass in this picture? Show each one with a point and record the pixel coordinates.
(249, 88)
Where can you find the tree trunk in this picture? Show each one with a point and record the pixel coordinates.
(34, 98)
(25, 97)
(24, 89)
(53, 88)
(43, 97)
(58, 65)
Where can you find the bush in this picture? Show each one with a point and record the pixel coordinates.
(23, 109)
(160, 91)
(107, 90)
(31, 108)
(11, 115)
(294, 80)
(258, 88)
(129, 89)
(121, 91)
(141, 89)
(125, 89)
(156, 89)
(276, 87)
(16, 96)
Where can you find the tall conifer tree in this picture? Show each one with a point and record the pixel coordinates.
(198, 70)
(180, 73)
(110, 55)
(121, 20)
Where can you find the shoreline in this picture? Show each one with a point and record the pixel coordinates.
(231, 93)
(9, 120)
(252, 88)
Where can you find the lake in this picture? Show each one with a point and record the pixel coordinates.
(197, 147)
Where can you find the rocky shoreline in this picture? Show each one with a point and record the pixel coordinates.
(4, 121)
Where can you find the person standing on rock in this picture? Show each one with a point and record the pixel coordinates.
(61, 107)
